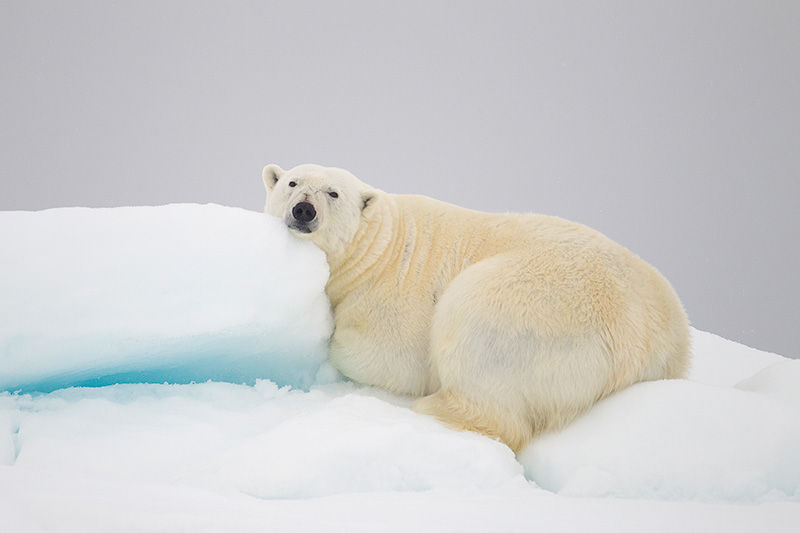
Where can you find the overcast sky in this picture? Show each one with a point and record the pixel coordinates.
(673, 127)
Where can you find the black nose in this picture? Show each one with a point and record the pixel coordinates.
(304, 212)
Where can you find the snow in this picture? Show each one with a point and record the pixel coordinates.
(680, 440)
(206, 326)
(176, 293)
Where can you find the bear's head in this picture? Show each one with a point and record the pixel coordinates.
(322, 204)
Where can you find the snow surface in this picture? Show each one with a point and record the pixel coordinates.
(178, 293)
(169, 294)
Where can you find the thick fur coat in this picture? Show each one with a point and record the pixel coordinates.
(504, 324)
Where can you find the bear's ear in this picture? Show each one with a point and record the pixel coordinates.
(366, 198)
(271, 175)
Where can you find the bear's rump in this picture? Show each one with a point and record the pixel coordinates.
(510, 342)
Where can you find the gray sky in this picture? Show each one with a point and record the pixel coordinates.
(673, 127)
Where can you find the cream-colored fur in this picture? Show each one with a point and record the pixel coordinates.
(507, 324)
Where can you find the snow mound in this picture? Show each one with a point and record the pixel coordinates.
(675, 440)
(362, 444)
(718, 361)
(779, 380)
(177, 293)
(729, 433)
(264, 441)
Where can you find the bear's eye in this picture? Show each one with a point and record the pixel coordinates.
(292, 184)
(334, 194)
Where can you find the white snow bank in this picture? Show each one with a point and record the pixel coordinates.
(680, 439)
(719, 361)
(675, 440)
(261, 440)
(780, 381)
(358, 443)
(176, 293)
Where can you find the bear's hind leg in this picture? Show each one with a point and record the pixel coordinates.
(507, 367)
(460, 413)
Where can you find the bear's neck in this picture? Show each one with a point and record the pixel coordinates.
(354, 270)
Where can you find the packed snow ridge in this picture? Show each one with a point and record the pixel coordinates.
(177, 294)
(150, 351)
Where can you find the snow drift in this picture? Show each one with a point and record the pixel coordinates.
(177, 293)
(243, 426)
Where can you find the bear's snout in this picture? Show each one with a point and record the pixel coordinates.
(304, 212)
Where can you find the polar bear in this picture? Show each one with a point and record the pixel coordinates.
(505, 324)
